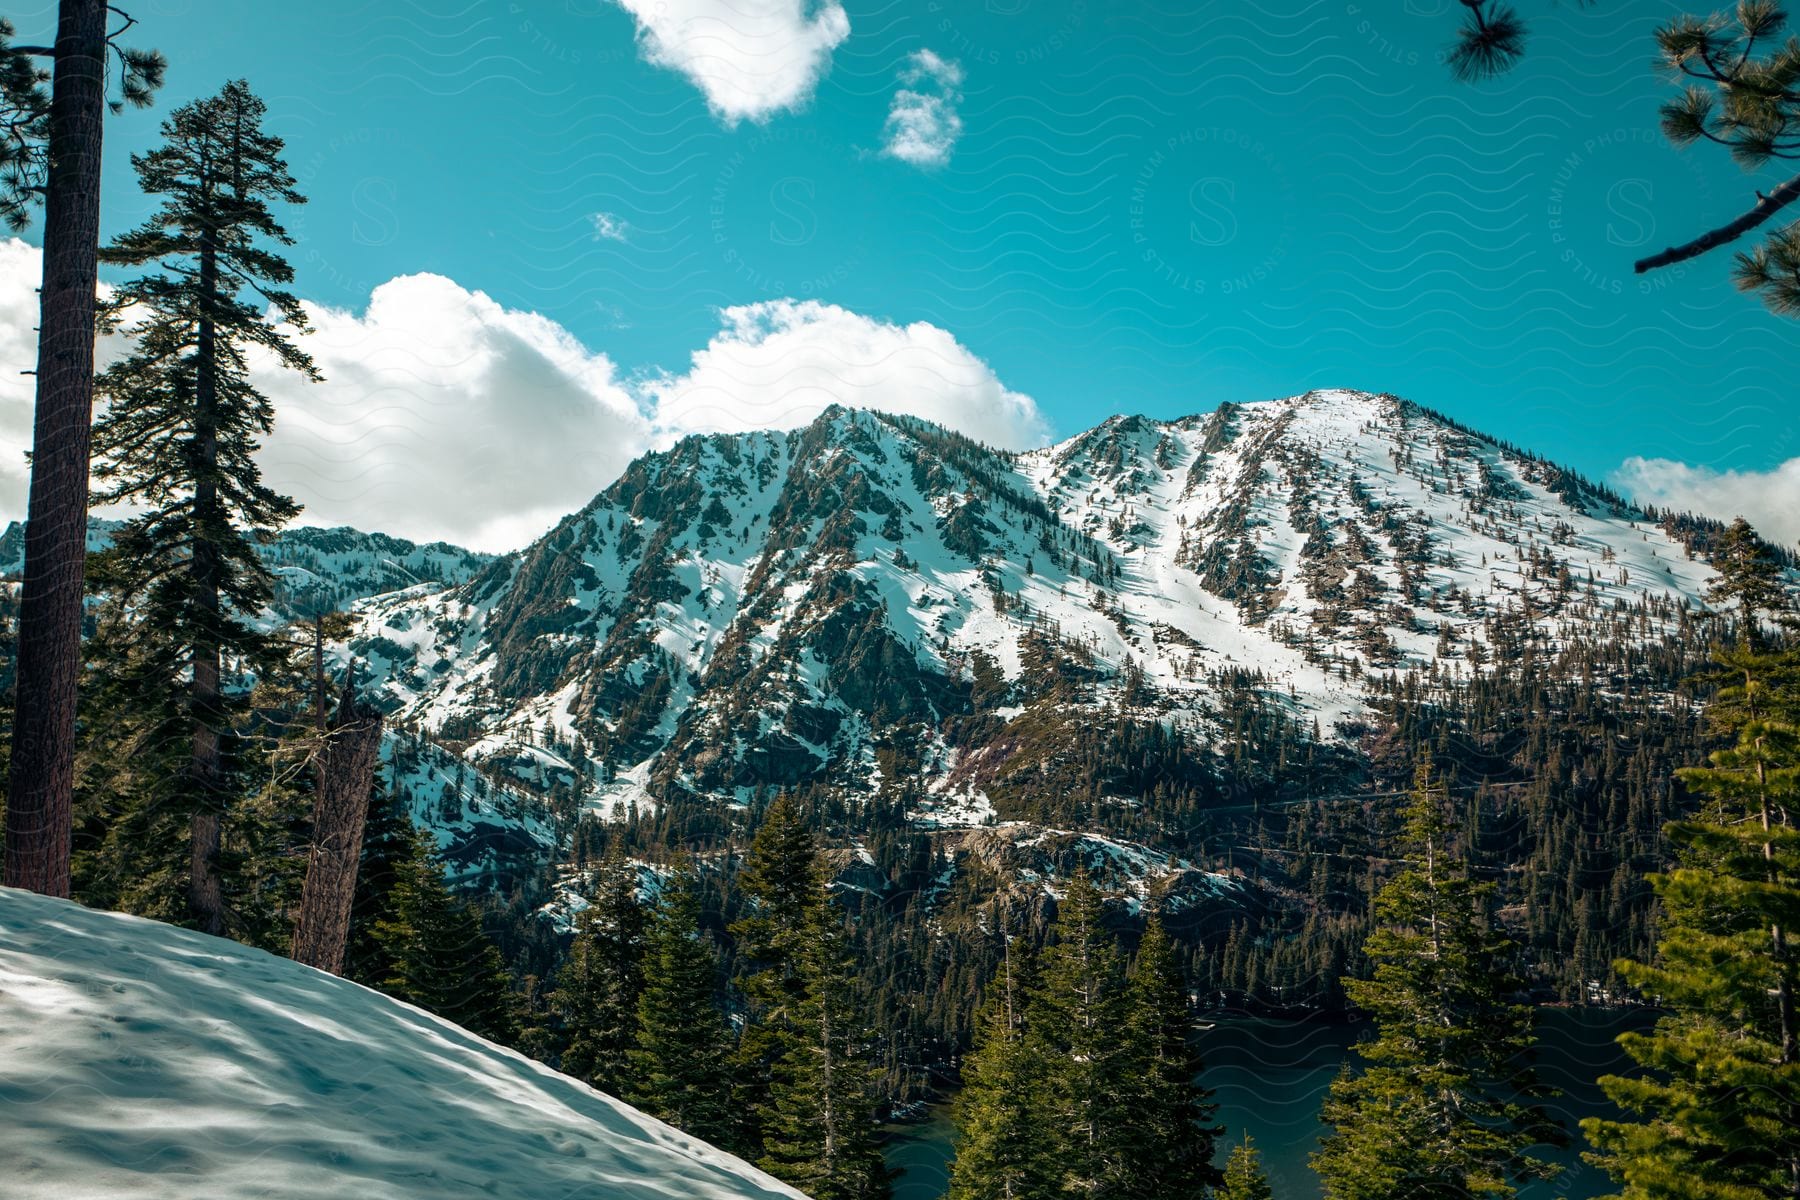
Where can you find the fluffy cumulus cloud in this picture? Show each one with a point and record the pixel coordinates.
(19, 272)
(445, 415)
(750, 58)
(442, 414)
(1769, 500)
(779, 364)
(922, 122)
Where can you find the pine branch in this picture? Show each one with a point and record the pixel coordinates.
(1765, 207)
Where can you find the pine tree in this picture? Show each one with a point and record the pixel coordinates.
(1077, 1031)
(132, 830)
(782, 889)
(782, 884)
(1720, 1104)
(1489, 43)
(601, 981)
(803, 1072)
(24, 129)
(178, 441)
(1736, 72)
(387, 849)
(1443, 1109)
(1244, 1177)
(819, 1132)
(1750, 578)
(1170, 1131)
(131, 835)
(681, 1066)
(1002, 1146)
(442, 958)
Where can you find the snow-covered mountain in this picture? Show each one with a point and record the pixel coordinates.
(318, 569)
(325, 569)
(482, 832)
(876, 603)
(148, 1061)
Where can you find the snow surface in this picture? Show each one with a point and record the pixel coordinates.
(1306, 549)
(142, 1060)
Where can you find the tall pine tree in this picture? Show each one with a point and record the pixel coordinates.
(1444, 1108)
(781, 887)
(803, 1059)
(1170, 1129)
(681, 1064)
(602, 979)
(178, 441)
(1719, 1106)
(1003, 1149)
(1076, 1029)
(1084, 1080)
(441, 958)
(819, 1132)
(388, 846)
(50, 150)
(1749, 579)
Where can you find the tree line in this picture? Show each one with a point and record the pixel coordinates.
(1082, 1078)
(1080, 1065)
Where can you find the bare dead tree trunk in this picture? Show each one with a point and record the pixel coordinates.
(43, 753)
(346, 768)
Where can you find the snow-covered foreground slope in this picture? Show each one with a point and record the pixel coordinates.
(143, 1060)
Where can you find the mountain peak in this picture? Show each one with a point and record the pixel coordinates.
(873, 597)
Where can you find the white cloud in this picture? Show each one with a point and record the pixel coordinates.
(751, 58)
(778, 364)
(608, 228)
(445, 415)
(1769, 500)
(442, 415)
(922, 122)
(20, 269)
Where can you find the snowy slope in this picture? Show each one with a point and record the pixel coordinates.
(876, 602)
(316, 569)
(323, 569)
(143, 1060)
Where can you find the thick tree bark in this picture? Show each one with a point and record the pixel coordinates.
(206, 898)
(1764, 208)
(38, 809)
(319, 673)
(346, 775)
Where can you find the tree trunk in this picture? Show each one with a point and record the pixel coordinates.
(39, 805)
(206, 898)
(319, 701)
(346, 776)
(1784, 992)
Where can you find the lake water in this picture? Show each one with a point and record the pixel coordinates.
(1269, 1077)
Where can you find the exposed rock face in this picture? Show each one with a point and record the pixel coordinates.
(877, 604)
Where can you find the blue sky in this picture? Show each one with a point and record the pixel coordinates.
(1146, 208)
